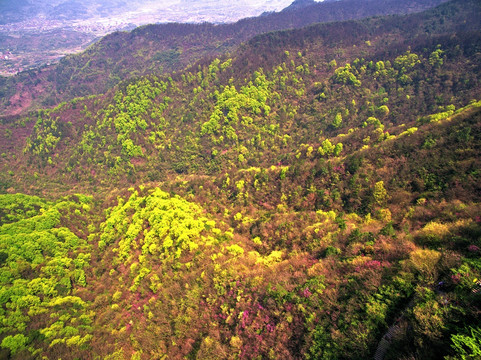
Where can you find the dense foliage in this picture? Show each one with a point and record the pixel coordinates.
(162, 48)
(42, 263)
(313, 195)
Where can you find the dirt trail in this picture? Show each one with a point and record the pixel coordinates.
(391, 334)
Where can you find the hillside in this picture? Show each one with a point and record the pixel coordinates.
(293, 199)
(157, 49)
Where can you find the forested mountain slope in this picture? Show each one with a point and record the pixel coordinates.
(287, 201)
(157, 49)
(281, 90)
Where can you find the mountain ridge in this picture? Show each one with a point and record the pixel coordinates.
(186, 43)
(296, 4)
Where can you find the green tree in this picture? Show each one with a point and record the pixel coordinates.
(467, 346)
(14, 343)
(425, 261)
(337, 120)
(380, 193)
(436, 58)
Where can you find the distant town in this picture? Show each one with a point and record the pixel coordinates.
(42, 40)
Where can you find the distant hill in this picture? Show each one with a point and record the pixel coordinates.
(62, 25)
(297, 4)
(14, 11)
(157, 49)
